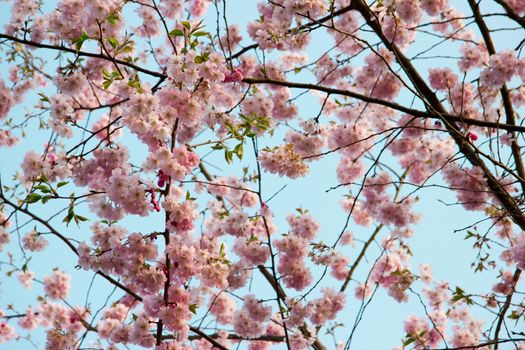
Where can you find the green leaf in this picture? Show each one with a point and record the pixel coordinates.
(194, 43)
(43, 97)
(228, 155)
(68, 218)
(33, 198)
(80, 218)
(186, 25)
(408, 341)
(193, 308)
(62, 184)
(198, 34)
(113, 18)
(106, 84)
(80, 40)
(469, 235)
(176, 32)
(238, 150)
(113, 42)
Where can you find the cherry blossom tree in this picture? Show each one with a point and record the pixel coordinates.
(146, 142)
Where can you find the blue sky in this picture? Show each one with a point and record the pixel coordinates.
(381, 328)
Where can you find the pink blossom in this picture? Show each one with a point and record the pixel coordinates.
(4, 238)
(7, 332)
(7, 100)
(249, 321)
(26, 278)
(327, 307)
(34, 241)
(472, 136)
(502, 66)
(284, 161)
(223, 308)
(56, 286)
(235, 76)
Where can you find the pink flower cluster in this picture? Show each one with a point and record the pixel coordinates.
(176, 164)
(473, 57)
(108, 171)
(4, 238)
(7, 332)
(272, 31)
(176, 314)
(326, 307)
(418, 151)
(7, 100)
(223, 308)
(129, 260)
(410, 11)
(26, 278)
(34, 241)
(293, 249)
(502, 67)
(517, 6)
(426, 335)
(283, 160)
(250, 321)
(252, 250)
(35, 165)
(7, 139)
(310, 141)
(470, 185)
(379, 205)
(506, 284)
(391, 273)
(434, 7)
(516, 253)
(56, 286)
(75, 16)
(182, 215)
(376, 79)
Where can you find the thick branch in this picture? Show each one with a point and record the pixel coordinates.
(434, 105)
(516, 152)
(511, 13)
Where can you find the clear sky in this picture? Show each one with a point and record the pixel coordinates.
(381, 327)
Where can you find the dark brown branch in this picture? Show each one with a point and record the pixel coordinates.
(511, 13)
(515, 148)
(67, 242)
(393, 105)
(81, 53)
(434, 105)
(208, 338)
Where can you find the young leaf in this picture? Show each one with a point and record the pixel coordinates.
(33, 198)
(113, 42)
(176, 32)
(186, 25)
